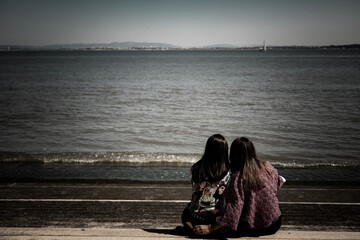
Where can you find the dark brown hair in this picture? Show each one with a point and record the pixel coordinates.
(243, 158)
(214, 163)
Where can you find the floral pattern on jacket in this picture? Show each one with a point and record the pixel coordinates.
(206, 195)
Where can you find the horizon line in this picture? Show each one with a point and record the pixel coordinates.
(221, 45)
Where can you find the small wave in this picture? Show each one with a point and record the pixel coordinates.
(100, 157)
(313, 164)
(142, 158)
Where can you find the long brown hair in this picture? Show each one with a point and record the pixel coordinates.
(214, 163)
(243, 158)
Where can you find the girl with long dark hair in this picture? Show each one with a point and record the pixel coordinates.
(207, 174)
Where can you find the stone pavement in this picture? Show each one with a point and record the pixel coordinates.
(141, 234)
(152, 211)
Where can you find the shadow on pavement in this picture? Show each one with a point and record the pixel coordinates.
(180, 231)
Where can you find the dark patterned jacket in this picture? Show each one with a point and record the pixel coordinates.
(254, 210)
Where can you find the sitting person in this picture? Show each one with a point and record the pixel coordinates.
(249, 205)
(206, 175)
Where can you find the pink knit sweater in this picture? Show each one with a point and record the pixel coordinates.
(252, 209)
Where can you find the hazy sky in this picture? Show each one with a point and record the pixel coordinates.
(182, 22)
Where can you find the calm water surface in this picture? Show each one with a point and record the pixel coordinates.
(300, 107)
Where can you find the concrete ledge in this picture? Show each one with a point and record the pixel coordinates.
(134, 234)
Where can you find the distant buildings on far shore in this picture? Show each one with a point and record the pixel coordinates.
(5, 48)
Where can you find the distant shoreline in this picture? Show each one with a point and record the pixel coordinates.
(13, 48)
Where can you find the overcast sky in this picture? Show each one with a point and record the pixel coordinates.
(180, 22)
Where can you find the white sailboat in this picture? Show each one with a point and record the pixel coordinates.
(263, 49)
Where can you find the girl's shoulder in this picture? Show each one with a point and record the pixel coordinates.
(270, 170)
(268, 166)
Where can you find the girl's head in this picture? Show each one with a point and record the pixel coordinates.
(243, 158)
(216, 149)
(214, 164)
(242, 152)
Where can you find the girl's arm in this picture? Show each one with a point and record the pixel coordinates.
(232, 203)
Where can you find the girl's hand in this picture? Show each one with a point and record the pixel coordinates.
(203, 229)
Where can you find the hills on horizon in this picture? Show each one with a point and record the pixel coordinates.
(113, 45)
(150, 46)
(117, 45)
